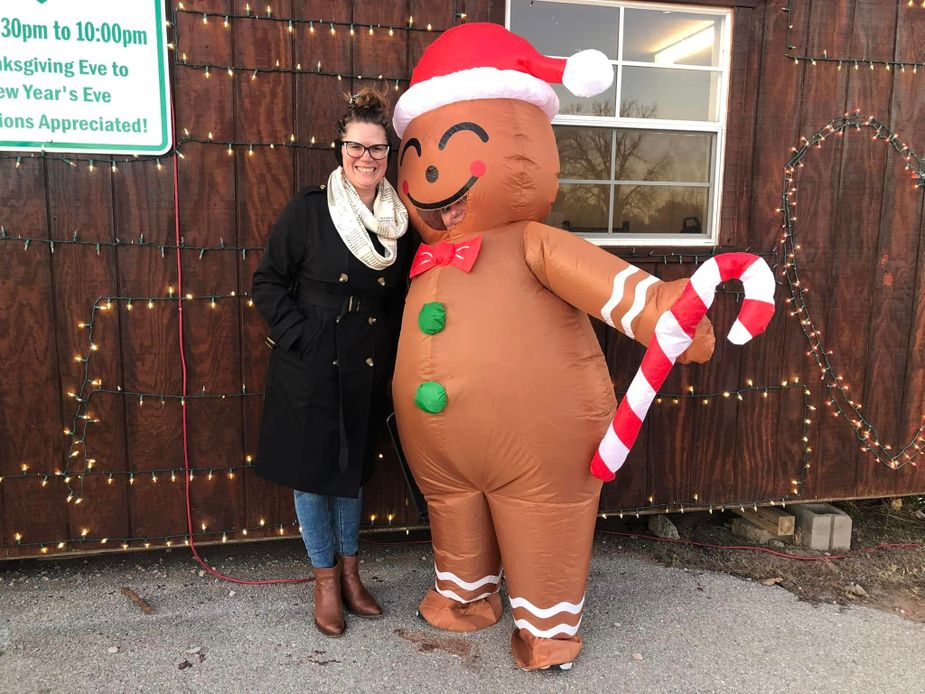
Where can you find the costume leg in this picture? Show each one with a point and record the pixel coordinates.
(467, 564)
(546, 549)
(314, 514)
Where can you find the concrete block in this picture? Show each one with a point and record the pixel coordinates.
(822, 527)
(841, 531)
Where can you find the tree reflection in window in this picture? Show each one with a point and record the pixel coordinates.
(622, 159)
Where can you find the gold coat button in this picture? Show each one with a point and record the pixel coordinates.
(381, 281)
(343, 277)
(372, 320)
(334, 363)
(369, 361)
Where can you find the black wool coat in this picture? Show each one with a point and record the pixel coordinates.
(334, 322)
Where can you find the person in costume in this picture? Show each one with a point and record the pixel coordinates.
(453, 214)
(501, 391)
(330, 287)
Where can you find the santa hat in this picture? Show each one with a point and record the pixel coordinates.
(486, 61)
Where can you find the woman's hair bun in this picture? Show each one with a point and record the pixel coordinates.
(368, 99)
(366, 106)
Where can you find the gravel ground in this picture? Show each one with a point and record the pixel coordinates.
(66, 626)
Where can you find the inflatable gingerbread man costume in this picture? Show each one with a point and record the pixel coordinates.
(501, 391)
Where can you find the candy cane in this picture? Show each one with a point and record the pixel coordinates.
(674, 333)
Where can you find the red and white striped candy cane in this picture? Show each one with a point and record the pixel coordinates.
(674, 333)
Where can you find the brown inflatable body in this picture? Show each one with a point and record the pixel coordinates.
(504, 464)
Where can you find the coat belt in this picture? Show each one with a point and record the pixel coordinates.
(346, 304)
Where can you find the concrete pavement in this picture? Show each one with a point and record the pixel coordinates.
(67, 627)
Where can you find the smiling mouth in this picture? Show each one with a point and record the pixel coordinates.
(447, 201)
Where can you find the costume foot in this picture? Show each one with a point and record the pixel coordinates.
(450, 615)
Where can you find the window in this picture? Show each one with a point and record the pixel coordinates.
(641, 164)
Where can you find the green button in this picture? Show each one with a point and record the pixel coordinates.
(432, 318)
(431, 397)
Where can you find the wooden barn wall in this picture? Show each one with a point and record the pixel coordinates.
(859, 231)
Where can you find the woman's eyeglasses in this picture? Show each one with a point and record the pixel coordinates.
(355, 150)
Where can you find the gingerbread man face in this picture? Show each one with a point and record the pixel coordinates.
(498, 154)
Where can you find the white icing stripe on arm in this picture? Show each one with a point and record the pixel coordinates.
(544, 612)
(619, 288)
(639, 301)
(453, 578)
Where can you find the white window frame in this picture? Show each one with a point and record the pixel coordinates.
(717, 128)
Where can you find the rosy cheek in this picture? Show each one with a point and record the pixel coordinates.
(477, 168)
(404, 187)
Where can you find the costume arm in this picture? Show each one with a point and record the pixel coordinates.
(607, 287)
(277, 273)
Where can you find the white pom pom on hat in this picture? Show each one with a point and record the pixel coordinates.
(587, 73)
(486, 61)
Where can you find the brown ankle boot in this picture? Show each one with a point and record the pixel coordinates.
(356, 598)
(329, 609)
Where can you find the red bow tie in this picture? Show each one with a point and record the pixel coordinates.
(461, 255)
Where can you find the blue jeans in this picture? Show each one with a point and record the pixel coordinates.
(329, 524)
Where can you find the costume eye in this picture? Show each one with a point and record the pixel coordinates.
(413, 142)
(460, 127)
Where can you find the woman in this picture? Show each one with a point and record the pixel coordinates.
(330, 287)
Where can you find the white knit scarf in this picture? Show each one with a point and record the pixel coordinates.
(388, 220)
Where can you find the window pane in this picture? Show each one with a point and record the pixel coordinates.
(660, 210)
(584, 153)
(604, 104)
(669, 94)
(562, 29)
(580, 208)
(655, 155)
(672, 38)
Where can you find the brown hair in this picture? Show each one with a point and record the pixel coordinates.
(366, 106)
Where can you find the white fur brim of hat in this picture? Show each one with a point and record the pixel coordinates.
(469, 85)
(586, 73)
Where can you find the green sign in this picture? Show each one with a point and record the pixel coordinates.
(84, 77)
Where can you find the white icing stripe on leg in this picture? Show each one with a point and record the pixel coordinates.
(619, 289)
(639, 301)
(453, 578)
(544, 612)
(458, 598)
(548, 633)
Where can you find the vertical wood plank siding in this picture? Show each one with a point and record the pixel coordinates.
(860, 229)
